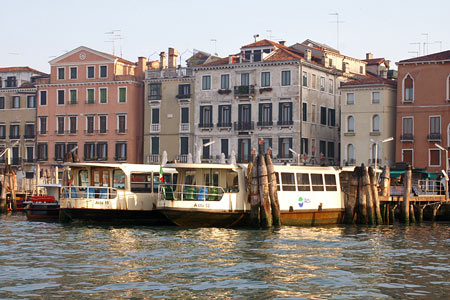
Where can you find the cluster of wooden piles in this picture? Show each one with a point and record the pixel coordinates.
(263, 192)
(8, 189)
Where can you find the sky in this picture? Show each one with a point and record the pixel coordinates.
(35, 32)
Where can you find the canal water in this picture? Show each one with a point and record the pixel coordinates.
(54, 261)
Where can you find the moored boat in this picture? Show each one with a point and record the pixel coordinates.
(217, 195)
(45, 206)
(112, 193)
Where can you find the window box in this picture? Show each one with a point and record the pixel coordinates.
(267, 89)
(224, 91)
(407, 137)
(434, 137)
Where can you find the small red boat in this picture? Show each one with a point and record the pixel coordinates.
(44, 208)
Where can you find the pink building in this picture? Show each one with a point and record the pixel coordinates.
(92, 100)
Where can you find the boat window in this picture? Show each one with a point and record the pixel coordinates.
(83, 178)
(167, 178)
(330, 182)
(232, 182)
(288, 181)
(156, 182)
(303, 182)
(277, 175)
(317, 182)
(189, 178)
(141, 183)
(212, 178)
(118, 179)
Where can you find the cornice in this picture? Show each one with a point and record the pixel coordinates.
(89, 83)
(248, 65)
(17, 90)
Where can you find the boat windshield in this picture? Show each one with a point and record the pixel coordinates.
(118, 179)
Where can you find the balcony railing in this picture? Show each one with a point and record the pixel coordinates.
(169, 73)
(244, 90)
(154, 128)
(182, 158)
(15, 161)
(434, 137)
(244, 125)
(371, 161)
(205, 125)
(407, 137)
(285, 123)
(153, 158)
(14, 136)
(90, 131)
(154, 97)
(185, 127)
(264, 124)
(29, 136)
(224, 125)
(184, 96)
(29, 160)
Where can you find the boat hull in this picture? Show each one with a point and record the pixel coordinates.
(42, 211)
(113, 216)
(204, 218)
(312, 217)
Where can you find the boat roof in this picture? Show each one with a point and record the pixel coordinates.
(203, 166)
(126, 167)
(49, 185)
(303, 168)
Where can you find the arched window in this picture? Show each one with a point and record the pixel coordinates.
(408, 88)
(350, 154)
(448, 87)
(376, 123)
(350, 124)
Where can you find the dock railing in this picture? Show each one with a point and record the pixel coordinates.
(88, 192)
(186, 192)
(428, 187)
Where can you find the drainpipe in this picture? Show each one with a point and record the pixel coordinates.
(300, 88)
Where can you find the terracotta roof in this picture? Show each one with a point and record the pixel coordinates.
(445, 55)
(20, 69)
(370, 81)
(262, 43)
(374, 61)
(119, 58)
(284, 54)
(222, 61)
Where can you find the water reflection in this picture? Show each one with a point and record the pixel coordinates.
(339, 262)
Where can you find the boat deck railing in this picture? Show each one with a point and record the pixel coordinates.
(186, 192)
(88, 192)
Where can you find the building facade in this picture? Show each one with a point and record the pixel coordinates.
(368, 121)
(92, 102)
(423, 111)
(18, 117)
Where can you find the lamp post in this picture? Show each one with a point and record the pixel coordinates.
(207, 145)
(298, 155)
(376, 148)
(446, 167)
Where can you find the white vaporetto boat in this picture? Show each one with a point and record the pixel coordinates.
(112, 193)
(216, 195)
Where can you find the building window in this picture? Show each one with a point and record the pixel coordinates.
(266, 142)
(90, 96)
(11, 81)
(121, 151)
(305, 79)
(330, 148)
(60, 97)
(313, 113)
(185, 115)
(73, 97)
(434, 157)
(16, 102)
(155, 145)
(154, 91)
(184, 145)
(29, 131)
(265, 114)
(60, 125)
(103, 71)
(322, 84)
(407, 128)
(350, 98)
(245, 117)
(43, 98)
(205, 116)
(408, 156)
(60, 151)
(14, 131)
(103, 121)
(206, 82)
(283, 147)
(304, 146)
(42, 151)
(285, 78)
(245, 79)
(122, 94)
(73, 72)
(265, 79)
(61, 73)
(285, 113)
(350, 154)
(2, 102)
(155, 115)
(361, 69)
(376, 123)
(206, 150)
(408, 89)
(330, 86)
(304, 112)
(224, 146)
(2, 131)
(42, 125)
(184, 91)
(323, 115)
(89, 151)
(350, 124)
(102, 151)
(244, 150)
(71, 146)
(31, 101)
(313, 81)
(90, 72)
(90, 124)
(72, 124)
(103, 95)
(256, 55)
(448, 87)
(224, 116)
(435, 128)
(225, 81)
(121, 123)
(29, 154)
(376, 97)
(331, 117)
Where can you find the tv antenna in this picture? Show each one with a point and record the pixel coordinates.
(114, 36)
(215, 45)
(416, 43)
(425, 44)
(337, 26)
(440, 45)
(269, 34)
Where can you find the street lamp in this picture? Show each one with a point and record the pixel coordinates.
(376, 148)
(298, 155)
(446, 166)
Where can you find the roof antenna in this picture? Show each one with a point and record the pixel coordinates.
(337, 26)
(256, 36)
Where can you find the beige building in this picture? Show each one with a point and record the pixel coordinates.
(368, 112)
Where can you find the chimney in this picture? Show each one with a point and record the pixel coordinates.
(141, 67)
(173, 55)
(162, 60)
(282, 42)
(308, 55)
(369, 55)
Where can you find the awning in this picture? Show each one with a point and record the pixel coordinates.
(398, 173)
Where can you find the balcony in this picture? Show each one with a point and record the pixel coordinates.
(14, 136)
(244, 90)
(29, 160)
(434, 137)
(90, 131)
(264, 124)
(182, 158)
(184, 96)
(244, 126)
(205, 125)
(224, 125)
(29, 136)
(169, 73)
(407, 137)
(103, 131)
(154, 128)
(154, 97)
(285, 123)
(72, 132)
(185, 127)
(153, 159)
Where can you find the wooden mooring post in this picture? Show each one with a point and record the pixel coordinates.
(406, 192)
(351, 199)
(376, 200)
(254, 198)
(369, 198)
(265, 210)
(362, 199)
(273, 190)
